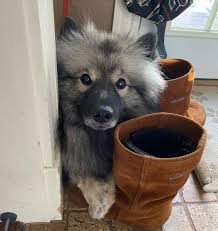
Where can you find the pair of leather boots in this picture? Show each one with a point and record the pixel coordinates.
(147, 184)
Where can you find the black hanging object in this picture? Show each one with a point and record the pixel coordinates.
(158, 11)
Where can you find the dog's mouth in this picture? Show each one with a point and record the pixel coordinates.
(100, 126)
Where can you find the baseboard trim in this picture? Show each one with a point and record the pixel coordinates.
(206, 82)
(52, 226)
(44, 226)
(17, 226)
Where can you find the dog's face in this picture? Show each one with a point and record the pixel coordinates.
(105, 79)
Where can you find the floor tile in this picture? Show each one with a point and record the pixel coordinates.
(204, 216)
(76, 199)
(80, 221)
(177, 199)
(192, 191)
(65, 216)
(178, 220)
(116, 226)
(65, 200)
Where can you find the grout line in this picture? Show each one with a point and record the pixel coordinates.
(65, 200)
(189, 217)
(78, 210)
(206, 82)
(177, 204)
(110, 225)
(67, 221)
(65, 209)
(202, 202)
(185, 207)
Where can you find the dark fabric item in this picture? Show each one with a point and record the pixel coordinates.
(170, 143)
(158, 10)
(161, 27)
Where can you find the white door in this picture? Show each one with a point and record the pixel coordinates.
(29, 164)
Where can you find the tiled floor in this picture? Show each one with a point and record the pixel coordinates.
(193, 210)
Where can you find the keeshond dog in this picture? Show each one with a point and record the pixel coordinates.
(103, 79)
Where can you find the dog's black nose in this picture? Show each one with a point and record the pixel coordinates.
(104, 114)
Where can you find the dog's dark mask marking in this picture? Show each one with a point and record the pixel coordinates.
(124, 83)
(100, 106)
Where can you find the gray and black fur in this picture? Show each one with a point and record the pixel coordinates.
(89, 112)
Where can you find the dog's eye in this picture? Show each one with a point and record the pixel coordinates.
(121, 83)
(86, 80)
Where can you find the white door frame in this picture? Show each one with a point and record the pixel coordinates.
(52, 160)
(125, 22)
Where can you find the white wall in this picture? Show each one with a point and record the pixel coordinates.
(202, 52)
(29, 174)
(147, 26)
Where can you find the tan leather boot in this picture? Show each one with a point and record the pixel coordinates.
(177, 96)
(147, 185)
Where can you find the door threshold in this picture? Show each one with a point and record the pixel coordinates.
(38, 226)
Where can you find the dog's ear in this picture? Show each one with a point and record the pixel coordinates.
(149, 43)
(69, 28)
